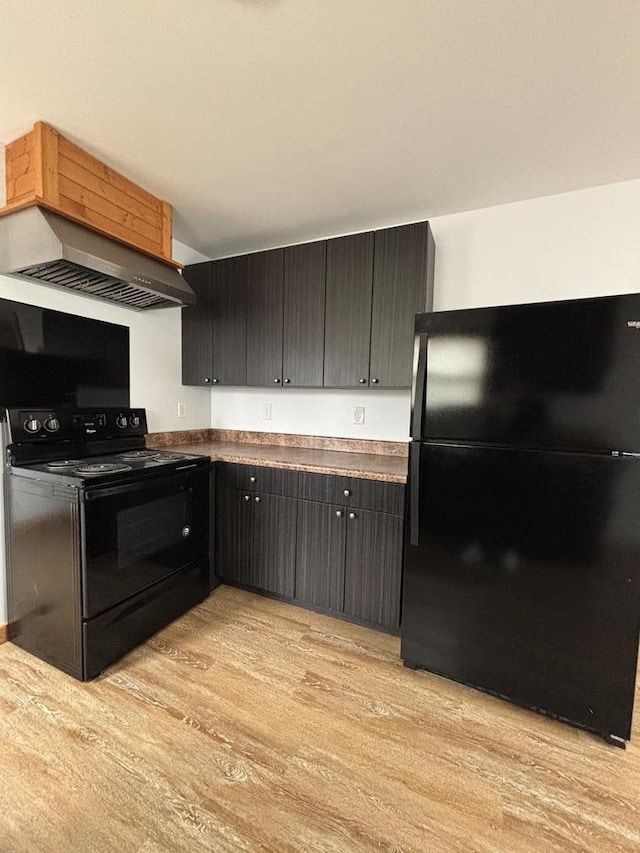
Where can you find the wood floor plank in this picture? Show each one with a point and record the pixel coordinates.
(252, 725)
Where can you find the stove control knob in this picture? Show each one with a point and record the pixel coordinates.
(52, 425)
(134, 421)
(122, 421)
(32, 425)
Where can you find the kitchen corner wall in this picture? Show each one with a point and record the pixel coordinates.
(155, 361)
(578, 244)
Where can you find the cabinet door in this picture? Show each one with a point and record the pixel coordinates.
(197, 359)
(373, 567)
(402, 287)
(320, 554)
(348, 311)
(265, 271)
(304, 297)
(234, 530)
(229, 288)
(273, 546)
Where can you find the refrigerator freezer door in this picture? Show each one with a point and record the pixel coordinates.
(526, 576)
(555, 375)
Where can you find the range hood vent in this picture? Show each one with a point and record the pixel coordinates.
(43, 246)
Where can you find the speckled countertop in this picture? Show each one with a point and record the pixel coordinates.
(391, 468)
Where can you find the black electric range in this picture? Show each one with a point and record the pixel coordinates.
(108, 539)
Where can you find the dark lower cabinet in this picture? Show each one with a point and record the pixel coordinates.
(256, 540)
(330, 556)
(273, 542)
(232, 536)
(320, 555)
(373, 567)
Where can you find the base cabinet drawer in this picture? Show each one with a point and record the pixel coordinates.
(258, 478)
(353, 492)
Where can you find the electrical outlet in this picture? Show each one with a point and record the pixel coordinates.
(266, 411)
(358, 415)
(182, 410)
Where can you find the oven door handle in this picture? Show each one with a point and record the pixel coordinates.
(142, 485)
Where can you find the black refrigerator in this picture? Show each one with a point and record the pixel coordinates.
(522, 559)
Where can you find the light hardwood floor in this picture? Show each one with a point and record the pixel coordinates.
(258, 726)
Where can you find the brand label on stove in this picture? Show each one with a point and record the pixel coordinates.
(633, 324)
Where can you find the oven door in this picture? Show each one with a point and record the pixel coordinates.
(139, 533)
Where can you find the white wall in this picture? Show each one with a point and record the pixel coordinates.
(306, 412)
(584, 243)
(155, 362)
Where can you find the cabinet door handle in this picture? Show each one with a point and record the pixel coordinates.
(215, 381)
(352, 515)
(287, 381)
(277, 381)
(206, 379)
(339, 513)
(257, 499)
(362, 381)
(252, 479)
(247, 497)
(374, 381)
(347, 493)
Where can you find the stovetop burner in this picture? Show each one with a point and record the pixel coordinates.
(56, 464)
(171, 456)
(103, 468)
(139, 454)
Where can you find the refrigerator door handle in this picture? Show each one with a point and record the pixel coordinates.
(414, 494)
(419, 375)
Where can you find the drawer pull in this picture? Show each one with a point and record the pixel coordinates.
(257, 499)
(347, 493)
(252, 479)
(247, 497)
(339, 513)
(352, 515)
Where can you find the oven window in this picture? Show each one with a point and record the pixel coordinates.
(151, 527)
(138, 535)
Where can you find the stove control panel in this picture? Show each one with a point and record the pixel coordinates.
(47, 425)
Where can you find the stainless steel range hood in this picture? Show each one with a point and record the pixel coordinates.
(45, 247)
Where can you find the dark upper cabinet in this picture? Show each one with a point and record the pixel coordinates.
(337, 313)
(403, 263)
(214, 330)
(373, 567)
(197, 329)
(348, 311)
(229, 321)
(304, 299)
(265, 272)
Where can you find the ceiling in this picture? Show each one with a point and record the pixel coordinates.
(267, 122)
